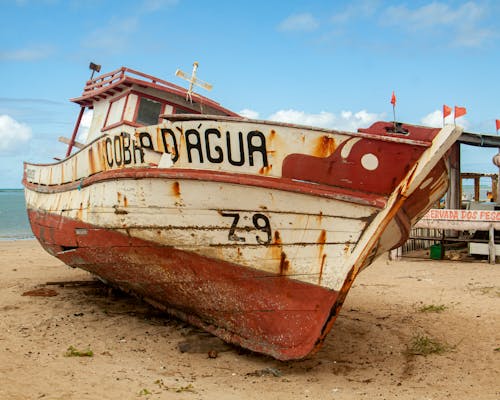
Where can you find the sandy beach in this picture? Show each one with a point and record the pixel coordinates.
(80, 340)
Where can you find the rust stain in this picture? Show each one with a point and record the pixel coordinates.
(325, 147)
(273, 143)
(118, 197)
(322, 239)
(101, 156)
(321, 268)
(284, 264)
(176, 189)
(80, 211)
(277, 253)
(125, 201)
(277, 237)
(93, 169)
(265, 170)
(159, 142)
(321, 256)
(346, 249)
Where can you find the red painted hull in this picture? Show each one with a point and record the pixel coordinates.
(266, 313)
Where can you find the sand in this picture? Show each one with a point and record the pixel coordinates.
(369, 353)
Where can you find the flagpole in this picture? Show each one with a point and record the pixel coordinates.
(393, 102)
(394, 114)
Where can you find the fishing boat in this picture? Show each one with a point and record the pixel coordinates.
(252, 230)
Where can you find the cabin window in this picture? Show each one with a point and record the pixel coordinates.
(115, 111)
(149, 112)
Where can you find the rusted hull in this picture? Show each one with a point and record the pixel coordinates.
(260, 250)
(263, 312)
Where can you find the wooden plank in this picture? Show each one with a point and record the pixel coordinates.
(66, 140)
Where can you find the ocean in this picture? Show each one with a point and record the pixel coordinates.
(14, 224)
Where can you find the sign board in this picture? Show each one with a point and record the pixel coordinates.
(462, 220)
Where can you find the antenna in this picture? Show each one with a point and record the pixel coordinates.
(193, 80)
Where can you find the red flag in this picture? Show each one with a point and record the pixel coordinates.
(497, 122)
(393, 98)
(446, 110)
(460, 111)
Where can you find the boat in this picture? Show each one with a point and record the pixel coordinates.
(252, 230)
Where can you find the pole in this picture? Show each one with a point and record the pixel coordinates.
(394, 114)
(75, 131)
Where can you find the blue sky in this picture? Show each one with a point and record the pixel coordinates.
(328, 63)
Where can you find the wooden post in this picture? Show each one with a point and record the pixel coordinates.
(453, 197)
(477, 183)
(494, 187)
(491, 246)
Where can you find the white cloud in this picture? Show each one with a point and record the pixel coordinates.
(347, 120)
(435, 119)
(247, 113)
(472, 36)
(27, 54)
(304, 22)
(323, 119)
(463, 24)
(355, 10)
(83, 130)
(13, 134)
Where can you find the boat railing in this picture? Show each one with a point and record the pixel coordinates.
(120, 74)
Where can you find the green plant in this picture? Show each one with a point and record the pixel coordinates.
(423, 346)
(73, 352)
(433, 308)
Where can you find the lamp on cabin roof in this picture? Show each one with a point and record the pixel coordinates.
(94, 68)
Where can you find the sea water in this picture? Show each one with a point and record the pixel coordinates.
(14, 222)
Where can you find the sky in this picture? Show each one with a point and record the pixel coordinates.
(332, 64)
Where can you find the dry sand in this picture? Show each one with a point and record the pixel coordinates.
(136, 349)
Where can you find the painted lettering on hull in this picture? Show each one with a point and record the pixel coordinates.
(210, 146)
(121, 150)
(260, 223)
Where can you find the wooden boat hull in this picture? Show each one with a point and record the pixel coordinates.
(262, 261)
(267, 313)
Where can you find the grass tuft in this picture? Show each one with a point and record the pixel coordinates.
(423, 346)
(433, 308)
(73, 352)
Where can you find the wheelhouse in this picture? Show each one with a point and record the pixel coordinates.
(125, 99)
